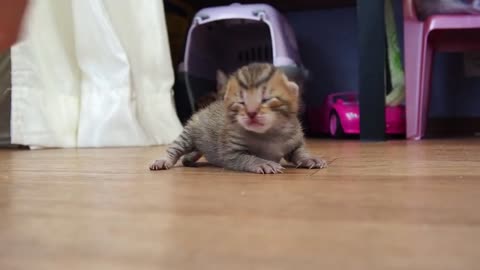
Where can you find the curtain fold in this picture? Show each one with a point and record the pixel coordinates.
(93, 73)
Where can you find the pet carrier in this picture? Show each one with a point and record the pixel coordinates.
(228, 37)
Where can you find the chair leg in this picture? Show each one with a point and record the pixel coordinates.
(426, 88)
(414, 56)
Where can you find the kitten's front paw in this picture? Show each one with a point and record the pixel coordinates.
(268, 167)
(312, 163)
(160, 164)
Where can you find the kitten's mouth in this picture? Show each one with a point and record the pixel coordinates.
(254, 123)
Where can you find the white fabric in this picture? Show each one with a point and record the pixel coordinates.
(93, 73)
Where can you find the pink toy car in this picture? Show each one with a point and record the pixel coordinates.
(339, 115)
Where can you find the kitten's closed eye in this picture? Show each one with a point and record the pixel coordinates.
(269, 100)
(236, 106)
(265, 100)
(277, 104)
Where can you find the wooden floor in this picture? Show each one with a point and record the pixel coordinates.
(393, 205)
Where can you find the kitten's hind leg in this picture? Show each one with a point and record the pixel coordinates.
(190, 159)
(181, 146)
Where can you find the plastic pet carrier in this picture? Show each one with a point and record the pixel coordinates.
(226, 38)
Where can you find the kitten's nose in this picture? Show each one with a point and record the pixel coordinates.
(252, 114)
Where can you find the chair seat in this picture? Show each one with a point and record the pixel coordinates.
(454, 40)
(453, 33)
(437, 22)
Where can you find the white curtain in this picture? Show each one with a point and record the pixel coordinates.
(93, 73)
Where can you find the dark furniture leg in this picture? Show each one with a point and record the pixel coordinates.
(371, 23)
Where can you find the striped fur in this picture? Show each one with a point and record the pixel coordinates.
(251, 129)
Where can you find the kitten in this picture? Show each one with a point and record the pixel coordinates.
(427, 8)
(251, 129)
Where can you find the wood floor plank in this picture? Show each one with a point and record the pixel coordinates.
(390, 205)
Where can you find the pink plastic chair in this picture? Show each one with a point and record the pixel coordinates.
(452, 33)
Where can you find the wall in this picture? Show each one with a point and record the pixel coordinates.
(328, 45)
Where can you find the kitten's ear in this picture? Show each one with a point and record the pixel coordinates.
(226, 90)
(221, 80)
(293, 87)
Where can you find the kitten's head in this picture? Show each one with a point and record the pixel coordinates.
(259, 96)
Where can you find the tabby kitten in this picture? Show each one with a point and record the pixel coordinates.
(251, 129)
(427, 8)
